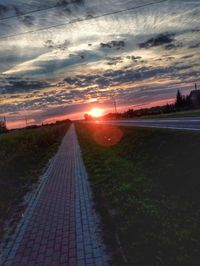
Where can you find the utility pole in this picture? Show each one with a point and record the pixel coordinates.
(5, 122)
(115, 104)
(25, 117)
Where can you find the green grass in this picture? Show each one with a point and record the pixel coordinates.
(23, 154)
(190, 113)
(147, 189)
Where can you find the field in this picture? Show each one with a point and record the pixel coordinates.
(23, 154)
(146, 186)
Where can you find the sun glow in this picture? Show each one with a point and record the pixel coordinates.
(96, 112)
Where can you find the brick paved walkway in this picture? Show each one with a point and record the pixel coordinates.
(60, 225)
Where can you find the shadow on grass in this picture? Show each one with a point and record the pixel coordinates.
(147, 189)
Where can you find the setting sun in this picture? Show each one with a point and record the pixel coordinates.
(96, 112)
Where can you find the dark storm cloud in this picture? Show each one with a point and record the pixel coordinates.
(168, 40)
(111, 77)
(14, 85)
(187, 56)
(56, 45)
(3, 9)
(49, 44)
(114, 78)
(114, 60)
(17, 10)
(173, 46)
(83, 81)
(67, 2)
(134, 58)
(68, 6)
(6, 8)
(113, 44)
(28, 20)
(165, 58)
(195, 30)
(161, 39)
(193, 46)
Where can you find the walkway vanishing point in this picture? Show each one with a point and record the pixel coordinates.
(60, 225)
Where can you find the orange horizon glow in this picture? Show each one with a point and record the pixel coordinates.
(20, 123)
(96, 112)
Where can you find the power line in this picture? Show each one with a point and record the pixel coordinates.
(58, 6)
(81, 20)
(30, 12)
(24, 4)
(27, 4)
(33, 5)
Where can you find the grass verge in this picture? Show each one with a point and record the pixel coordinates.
(180, 114)
(23, 154)
(146, 188)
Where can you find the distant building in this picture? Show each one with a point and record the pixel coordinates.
(195, 97)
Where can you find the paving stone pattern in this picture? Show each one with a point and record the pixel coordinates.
(60, 225)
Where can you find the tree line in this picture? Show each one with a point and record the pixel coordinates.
(3, 127)
(181, 103)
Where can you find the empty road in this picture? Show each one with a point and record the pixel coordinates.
(186, 123)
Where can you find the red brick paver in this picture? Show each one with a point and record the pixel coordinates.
(60, 226)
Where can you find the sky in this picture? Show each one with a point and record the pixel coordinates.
(60, 58)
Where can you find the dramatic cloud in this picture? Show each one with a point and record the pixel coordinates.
(114, 60)
(83, 55)
(56, 45)
(113, 78)
(196, 45)
(67, 2)
(113, 44)
(3, 9)
(173, 46)
(164, 38)
(134, 58)
(14, 85)
(28, 20)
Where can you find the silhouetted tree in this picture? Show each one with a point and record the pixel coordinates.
(87, 117)
(188, 101)
(3, 127)
(179, 100)
(182, 101)
(130, 113)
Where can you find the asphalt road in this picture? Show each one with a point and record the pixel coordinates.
(187, 123)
